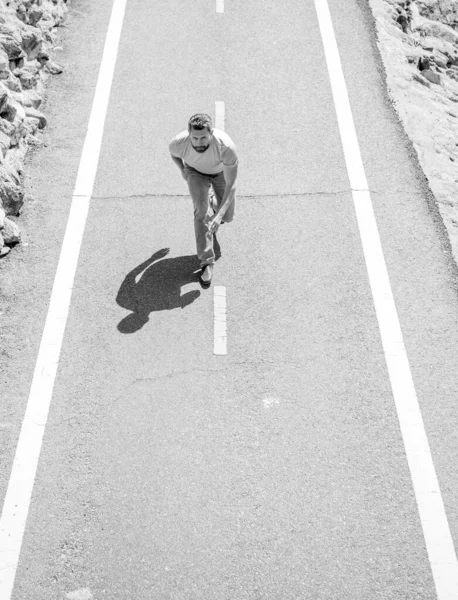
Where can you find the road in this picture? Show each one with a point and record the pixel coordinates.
(276, 471)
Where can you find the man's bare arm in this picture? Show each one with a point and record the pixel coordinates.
(230, 177)
(179, 163)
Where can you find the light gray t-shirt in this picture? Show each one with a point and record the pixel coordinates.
(221, 152)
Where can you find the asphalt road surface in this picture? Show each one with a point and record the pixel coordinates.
(276, 471)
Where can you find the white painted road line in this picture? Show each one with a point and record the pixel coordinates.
(439, 542)
(19, 492)
(220, 328)
(220, 115)
(220, 333)
(219, 6)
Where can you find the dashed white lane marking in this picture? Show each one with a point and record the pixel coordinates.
(219, 6)
(269, 402)
(433, 518)
(19, 492)
(82, 594)
(220, 332)
(220, 327)
(220, 115)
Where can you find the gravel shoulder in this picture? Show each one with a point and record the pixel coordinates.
(418, 44)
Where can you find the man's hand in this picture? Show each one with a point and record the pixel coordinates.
(161, 253)
(214, 224)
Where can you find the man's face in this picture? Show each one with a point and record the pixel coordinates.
(200, 139)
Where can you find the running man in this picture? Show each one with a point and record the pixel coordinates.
(207, 157)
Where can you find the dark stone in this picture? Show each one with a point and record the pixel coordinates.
(35, 14)
(403, 22)
(3, 99)
(43, 57)
(21, 14)
(32, 42)
(9, 112)
(424, 64)
(11, 197)
(12, 46)
(53, 68)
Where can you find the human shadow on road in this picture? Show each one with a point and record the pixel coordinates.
(156, 285)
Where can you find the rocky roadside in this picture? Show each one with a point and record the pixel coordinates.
(26, 42)
(418, 42)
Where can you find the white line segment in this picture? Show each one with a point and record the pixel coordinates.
(19, 492)
(219, 6)
(220, 115)
(220, 333)
(220, 328)
(439, 542)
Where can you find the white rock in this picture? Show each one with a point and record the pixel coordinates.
(5, 144)
(10, 232)
(20, 112)
(31, 98)
(33, 113)
(4, 60)
(4, 250)
(82, 594)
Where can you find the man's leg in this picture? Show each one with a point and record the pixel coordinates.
(199, 186)
(219, 185)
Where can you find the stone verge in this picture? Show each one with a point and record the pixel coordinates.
(26, 41)
(418, 42)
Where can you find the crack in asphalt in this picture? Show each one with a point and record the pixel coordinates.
(173, 374)
(238, 196)
(245, 363)
(292, 195)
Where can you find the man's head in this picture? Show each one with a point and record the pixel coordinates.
(200, 131)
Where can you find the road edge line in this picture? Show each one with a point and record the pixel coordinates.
(433, 518)
(20, 486)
